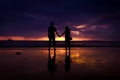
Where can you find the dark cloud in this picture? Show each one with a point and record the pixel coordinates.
(31, 18)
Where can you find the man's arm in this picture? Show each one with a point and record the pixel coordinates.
(48, 33)
(57, 32)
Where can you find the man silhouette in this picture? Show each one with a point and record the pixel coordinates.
(51, 34)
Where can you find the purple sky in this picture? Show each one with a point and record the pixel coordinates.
(95, 19)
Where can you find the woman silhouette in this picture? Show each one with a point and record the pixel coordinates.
(67, 36)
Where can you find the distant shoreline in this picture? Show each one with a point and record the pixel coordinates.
(10, 43)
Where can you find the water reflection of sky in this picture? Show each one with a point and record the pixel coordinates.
(84, 61)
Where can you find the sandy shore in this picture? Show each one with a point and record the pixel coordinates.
(60, 44)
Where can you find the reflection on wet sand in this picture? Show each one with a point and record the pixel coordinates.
(51, 63)
(67, 61)
(79, 56)
(76, 63)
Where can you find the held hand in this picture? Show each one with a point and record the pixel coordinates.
(59, 35)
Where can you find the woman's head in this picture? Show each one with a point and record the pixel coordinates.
(66, 27)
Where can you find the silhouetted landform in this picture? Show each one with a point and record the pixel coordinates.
(18, 53)
(60, 44)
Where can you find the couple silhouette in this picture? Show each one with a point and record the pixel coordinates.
(51, 35)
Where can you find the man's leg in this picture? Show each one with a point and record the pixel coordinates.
(49, 43)
(69, 45)
(54, 42)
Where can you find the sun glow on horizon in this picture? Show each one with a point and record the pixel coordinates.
(43, 38)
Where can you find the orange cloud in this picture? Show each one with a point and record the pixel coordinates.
(75, 32)
(81, 39)
(81, 26)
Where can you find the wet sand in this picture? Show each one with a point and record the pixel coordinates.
(86, 63)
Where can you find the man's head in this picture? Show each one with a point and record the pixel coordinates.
(52, 23)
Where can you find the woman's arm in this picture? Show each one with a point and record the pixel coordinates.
(57, 33)
(62, 33)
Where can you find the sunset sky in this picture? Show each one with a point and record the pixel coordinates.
(87, 19)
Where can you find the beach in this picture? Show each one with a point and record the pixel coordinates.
(86, 63)
(12, 43)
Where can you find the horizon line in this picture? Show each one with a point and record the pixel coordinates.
(59, 40)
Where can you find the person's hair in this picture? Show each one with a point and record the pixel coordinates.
(52, 23)
(66, 27)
